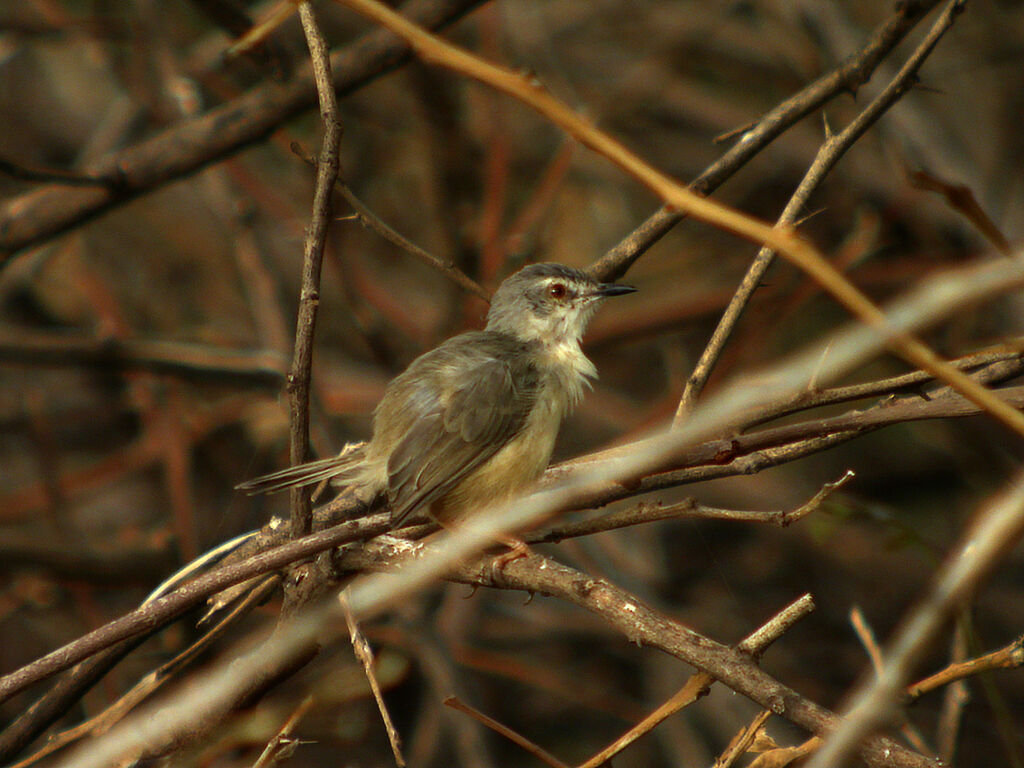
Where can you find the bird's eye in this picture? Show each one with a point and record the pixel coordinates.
(557, 290)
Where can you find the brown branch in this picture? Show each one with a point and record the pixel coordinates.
(44, 212)
(446, 267)
(164, 609)
(676, 467)
(516, 738)
(527, 90)
(689, 509)
(63, 694)
(190, 361)
(848, 76)
(997, 366)
(641, 624)
(281, 746)
(313, 255)
(700, 683)
(828, 155)
(995, 532)
(741, 742)
(1008, 657)
(139, 692)
(363, 652)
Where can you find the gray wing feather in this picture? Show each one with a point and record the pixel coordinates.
(488, 394)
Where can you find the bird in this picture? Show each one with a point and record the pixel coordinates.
(472, 422)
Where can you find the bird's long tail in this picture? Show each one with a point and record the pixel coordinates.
(343, 466)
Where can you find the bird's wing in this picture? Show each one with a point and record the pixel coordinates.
(452, 429)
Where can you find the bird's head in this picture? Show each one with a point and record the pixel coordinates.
(550, 303)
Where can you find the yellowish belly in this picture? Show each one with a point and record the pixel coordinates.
(511, 471)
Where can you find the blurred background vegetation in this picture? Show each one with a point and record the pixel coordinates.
(117, 465)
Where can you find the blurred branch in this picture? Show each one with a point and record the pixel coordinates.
(69, 178)
(783, 239)
(847, 77)
(503, 730)
(35, 722)
(193, 361)
(734, 667)
(44, 212)
(123, 564)
(828, 155)
(167, 608)
(996, 532)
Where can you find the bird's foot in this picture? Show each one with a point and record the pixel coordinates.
(517, 548)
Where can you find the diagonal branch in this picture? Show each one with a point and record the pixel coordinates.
(45, 212)
(847, 77)
(828, 155)
(783, 239)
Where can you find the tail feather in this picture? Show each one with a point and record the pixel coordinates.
(342, 466)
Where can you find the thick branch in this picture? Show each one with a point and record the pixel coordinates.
(734, 668)
(43, 212)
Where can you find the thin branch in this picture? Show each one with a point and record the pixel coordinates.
(848, 76)
(446, 267)
(313, 255)
(867, 638)
(700, 683)
(689, 509)
(539, 752)
(829, 154)
(369, 219)
(45, 212)
(741, 742)
(1008, 657)
(261, 30)
(437, 51)
(995, 366)
(364, 654)
(164, 609)
(996, 531)
(282, 745)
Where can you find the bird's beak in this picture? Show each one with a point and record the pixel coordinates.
(605, 290)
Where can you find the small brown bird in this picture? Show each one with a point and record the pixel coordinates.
(472, 422)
